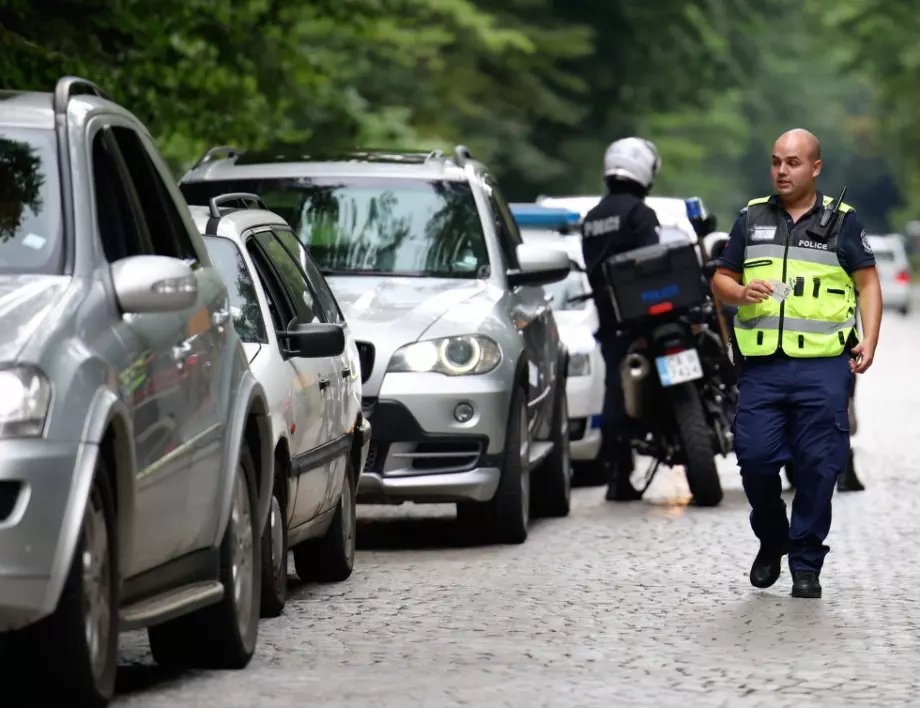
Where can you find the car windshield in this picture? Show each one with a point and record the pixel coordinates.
(883, 254)
(564, 290)
(373, 226)
(244, 304)
(31, 229)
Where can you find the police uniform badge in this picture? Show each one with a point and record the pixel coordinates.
(865, 243)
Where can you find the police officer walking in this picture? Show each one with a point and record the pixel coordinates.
(620, 222)
(793, 275)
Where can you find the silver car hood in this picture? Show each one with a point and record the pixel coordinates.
(390, 312)
(25, 302)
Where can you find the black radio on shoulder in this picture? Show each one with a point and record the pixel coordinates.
(821, 232)
(654, 280)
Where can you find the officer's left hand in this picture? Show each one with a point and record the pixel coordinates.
(864, 353)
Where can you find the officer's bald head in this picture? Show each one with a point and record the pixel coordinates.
(802, 142)
(795, 165)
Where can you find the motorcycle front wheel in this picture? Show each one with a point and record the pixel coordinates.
(696, 442)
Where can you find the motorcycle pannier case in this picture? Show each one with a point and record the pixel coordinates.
(654, 280)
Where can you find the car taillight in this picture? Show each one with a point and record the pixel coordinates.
(903, 277)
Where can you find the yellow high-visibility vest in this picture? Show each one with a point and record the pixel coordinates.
(818, 317)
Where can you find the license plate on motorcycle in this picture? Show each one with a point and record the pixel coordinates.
(679, 368)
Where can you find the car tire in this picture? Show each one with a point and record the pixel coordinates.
(53, 660)
(552, 485)
(275, 554)
(505, 518)
(331, 558)
(223, 635)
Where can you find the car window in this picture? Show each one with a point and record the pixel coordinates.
(324, 297)
(244, 303)
(373, 226)
(167, 229)
(306, 309)
(508, 234)
(119, 218)
(31, 226)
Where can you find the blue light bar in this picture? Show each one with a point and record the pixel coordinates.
(536, 216)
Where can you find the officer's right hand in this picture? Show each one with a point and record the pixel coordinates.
(756, 291)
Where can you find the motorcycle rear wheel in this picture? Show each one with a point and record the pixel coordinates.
(696, 441)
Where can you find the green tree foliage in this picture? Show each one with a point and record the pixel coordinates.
(537, 88)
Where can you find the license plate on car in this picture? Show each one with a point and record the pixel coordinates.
(679, 368)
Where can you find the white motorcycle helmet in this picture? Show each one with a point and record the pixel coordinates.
(635, 159)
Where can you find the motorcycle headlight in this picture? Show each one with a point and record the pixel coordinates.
(580, 365)
(25, 396)
(453, 356)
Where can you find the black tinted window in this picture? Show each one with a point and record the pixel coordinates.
(244, 303)
(31, 227)
(305, 306)
(324, 297)
(371, 225)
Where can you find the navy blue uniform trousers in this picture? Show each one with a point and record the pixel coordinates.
(793, 409)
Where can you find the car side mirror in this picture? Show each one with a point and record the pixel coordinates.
(314, 340)
(154, 284)
(539, 266)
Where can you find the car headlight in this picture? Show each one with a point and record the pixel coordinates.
(580, 365)
(453, 356)
(25, 396)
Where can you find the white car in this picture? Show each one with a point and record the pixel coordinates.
(302, 353)
(577, 322)
(893, 271)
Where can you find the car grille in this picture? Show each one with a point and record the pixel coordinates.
(443, 456)
(366, 356)
(9, 495)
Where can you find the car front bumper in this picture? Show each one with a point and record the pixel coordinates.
(585, 399)
(421, 452)
(43, 491)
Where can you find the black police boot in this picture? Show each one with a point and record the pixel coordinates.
(768, 563)
(848, 481)
(805, 583)
(619, 487)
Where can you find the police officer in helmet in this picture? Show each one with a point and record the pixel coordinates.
(620, 222)
(793, 267)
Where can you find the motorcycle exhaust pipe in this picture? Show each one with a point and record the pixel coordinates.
(633, 372)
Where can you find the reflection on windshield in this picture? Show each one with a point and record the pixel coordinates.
(244, 304)
(30, 212)
(374, 226)
(563, 290)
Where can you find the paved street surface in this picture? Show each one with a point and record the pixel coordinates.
(645, 604)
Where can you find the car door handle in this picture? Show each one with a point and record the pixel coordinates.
(346, 372)
(323, 384)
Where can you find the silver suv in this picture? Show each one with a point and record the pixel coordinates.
(464, 374)
(135, 455)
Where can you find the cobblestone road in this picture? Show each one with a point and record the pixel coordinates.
(617, 605)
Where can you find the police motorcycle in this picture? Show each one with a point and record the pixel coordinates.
(678, 381)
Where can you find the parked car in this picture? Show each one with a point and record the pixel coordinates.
(893, 271)
(302, 352)
(466, 374)
(578, 322)
(134, 474)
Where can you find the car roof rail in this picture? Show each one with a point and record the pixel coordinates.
(209, 155)
(214, 211)
(69, 86)
(463, 155)
(433, 155)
